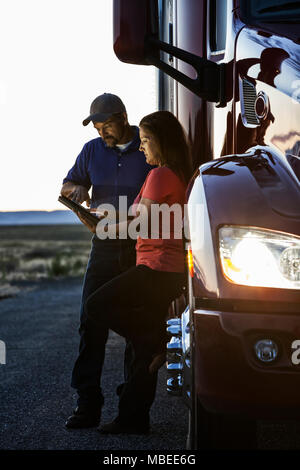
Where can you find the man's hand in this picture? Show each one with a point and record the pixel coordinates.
(76, 192)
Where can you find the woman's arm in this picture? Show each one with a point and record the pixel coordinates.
(116, 227)
(144, 208)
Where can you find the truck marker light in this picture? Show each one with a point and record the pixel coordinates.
(190, 262)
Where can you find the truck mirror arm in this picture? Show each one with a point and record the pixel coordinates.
(210, 81)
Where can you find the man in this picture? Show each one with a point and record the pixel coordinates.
(113, 166)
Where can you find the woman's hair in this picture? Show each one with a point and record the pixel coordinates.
(172, 142)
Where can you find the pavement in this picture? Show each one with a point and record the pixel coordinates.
(39, 326)
(40, 329)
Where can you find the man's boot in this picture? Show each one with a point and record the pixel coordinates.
(84, 417)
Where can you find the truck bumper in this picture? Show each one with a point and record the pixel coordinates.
(229, 378)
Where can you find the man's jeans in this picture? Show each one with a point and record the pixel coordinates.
(108, 259)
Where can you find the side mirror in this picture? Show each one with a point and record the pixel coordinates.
(133, 21)
(136, 41)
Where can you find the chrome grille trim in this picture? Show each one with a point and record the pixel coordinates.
(247, 99)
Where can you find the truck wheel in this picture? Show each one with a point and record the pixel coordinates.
(209, 430)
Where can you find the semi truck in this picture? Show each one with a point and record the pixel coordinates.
(230, 71)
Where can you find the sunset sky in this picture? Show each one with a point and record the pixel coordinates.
(55, 58)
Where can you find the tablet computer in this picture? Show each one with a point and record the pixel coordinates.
(74, 206)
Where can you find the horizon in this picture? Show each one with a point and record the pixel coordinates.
(34, 210)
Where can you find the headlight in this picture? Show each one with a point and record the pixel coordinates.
(256, 257)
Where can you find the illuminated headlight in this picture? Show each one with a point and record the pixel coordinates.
(256, 257)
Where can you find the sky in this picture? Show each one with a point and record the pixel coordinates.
(55, 58)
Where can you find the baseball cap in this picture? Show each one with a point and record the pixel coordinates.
(103, 107)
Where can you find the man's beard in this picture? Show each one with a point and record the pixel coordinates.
(110, 141)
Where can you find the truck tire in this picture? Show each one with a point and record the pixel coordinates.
(217, 431)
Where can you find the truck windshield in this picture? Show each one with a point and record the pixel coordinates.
(276, 11)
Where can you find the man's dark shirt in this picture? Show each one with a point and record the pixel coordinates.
(110, 171)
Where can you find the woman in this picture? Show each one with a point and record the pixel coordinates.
(135, 304)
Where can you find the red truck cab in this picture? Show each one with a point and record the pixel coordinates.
(230, 71)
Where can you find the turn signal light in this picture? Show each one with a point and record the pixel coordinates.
(190, 262)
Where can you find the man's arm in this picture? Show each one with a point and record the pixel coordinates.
(76, 192)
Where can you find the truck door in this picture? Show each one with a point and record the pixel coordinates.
(220, 39)
(183, 24)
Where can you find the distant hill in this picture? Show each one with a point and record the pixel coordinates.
(38, 218)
